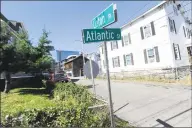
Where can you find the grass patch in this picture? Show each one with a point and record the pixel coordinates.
(18, 100)
(33, 107)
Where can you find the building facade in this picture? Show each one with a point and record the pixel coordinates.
(158, 39)
(62, 56)
(74, 67)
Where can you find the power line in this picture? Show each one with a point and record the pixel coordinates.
(186, 4)
(139, 10)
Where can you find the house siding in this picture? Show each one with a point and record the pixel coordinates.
(162, 39)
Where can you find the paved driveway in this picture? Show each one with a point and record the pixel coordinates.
(143, 104)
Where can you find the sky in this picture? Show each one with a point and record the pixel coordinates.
(66, 19)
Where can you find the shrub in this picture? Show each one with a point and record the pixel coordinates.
(72, 110)
(65, 91)
(57, 117)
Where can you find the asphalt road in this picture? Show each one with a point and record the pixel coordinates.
(143, 104)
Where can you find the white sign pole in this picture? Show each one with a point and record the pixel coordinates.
(93, 82)
(109, 86)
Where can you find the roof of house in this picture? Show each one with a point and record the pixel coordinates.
(17, 24)
(74, 59)
(145, 13)
(13, 24)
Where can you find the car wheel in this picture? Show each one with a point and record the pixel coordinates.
(66, 81)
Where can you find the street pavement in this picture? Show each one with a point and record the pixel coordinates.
(143, 104)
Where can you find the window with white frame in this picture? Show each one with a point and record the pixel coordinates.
(147, 31)
(188, 33)
(175, 10)
(126, 39)
(176, 51)
(114, 45)
(116, 62)
(128, 59)
(150, 55)
(172, 25)
(189, 50)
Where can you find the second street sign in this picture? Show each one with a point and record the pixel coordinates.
(106, 17)
(100, 35)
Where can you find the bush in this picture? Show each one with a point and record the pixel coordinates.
(57, 117)
(72, 110)
(66, 91)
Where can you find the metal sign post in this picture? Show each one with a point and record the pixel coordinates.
(99, 34)
(93, 82)
(109, 85)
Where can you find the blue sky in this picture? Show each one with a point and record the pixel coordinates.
(66, 19)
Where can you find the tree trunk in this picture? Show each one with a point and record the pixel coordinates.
(7, 82)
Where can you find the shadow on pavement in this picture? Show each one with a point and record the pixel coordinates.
(121, 107)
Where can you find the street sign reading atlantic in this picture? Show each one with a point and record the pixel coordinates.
(99, 35)
(106, 17)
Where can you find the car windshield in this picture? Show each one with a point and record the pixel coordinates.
(59, 75)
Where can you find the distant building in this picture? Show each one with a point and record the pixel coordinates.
(15, 26)
(62, 56)
(158, 39)
(74, 66)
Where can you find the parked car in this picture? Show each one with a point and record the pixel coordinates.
(61, 78)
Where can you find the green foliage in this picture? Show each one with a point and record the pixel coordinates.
(65, 91)
(18, 54)
(70, 110)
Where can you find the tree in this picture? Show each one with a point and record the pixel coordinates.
(44, 59)
(18, 54)
(7, 54)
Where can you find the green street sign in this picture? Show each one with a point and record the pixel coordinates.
(99, 35)
(106, 17)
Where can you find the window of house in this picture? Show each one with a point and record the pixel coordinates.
(172, 25)
(175, 10)
(147, 30)
(116, 62)
(189, 50)
(151, 55)
(126, 39)
(176, 51)
(188, 33)
(114, 45)
(184, 31)
(128, 59)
